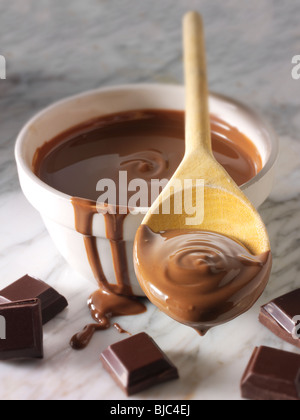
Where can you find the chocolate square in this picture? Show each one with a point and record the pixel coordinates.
(272, 375)
(27, 287)
(137, 363)
(282, 316)
(21, 330)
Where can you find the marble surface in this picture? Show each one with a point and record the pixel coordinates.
(55, 49)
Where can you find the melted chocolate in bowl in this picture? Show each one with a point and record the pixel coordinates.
(147, 144)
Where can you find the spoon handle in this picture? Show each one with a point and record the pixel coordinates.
(198, 132)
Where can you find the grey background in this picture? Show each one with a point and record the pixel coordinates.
(57, 48)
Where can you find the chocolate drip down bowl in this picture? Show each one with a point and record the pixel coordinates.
(65, 188)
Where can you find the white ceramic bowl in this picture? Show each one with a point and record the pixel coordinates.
(56, 208)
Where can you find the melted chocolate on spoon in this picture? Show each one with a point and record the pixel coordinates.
(201, 279)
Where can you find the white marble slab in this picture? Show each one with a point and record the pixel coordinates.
(55, 49)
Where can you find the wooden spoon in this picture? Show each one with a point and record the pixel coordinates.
(226, 209)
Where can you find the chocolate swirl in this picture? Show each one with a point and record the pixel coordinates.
(191, 263)
(199, 278)
(147, 164)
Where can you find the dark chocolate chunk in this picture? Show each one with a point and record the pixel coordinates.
(21, 329)
(137, 363)
(272, 375)
(27, 287)
(282, 317)
(3, 300)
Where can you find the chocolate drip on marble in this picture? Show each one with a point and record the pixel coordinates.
(82, 339)
(109, 300)
(120, 329)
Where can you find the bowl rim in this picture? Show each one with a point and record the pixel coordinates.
(22, 164)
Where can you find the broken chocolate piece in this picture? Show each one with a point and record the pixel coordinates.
(282, 317)
(137, 363)
(27, 287)
(3, 300)
(21, 330)
(272, 375)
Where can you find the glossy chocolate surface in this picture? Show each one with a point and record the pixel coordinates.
(137, 363)
(201, 279)
(22, 324)
(272, 375)
(148, 144)
(282, 317)
(52, 303)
